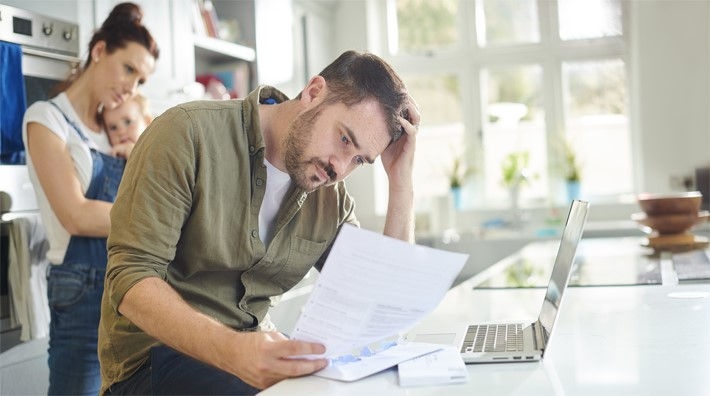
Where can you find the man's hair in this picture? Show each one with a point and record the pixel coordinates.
(355, 77)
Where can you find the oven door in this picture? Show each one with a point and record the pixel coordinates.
(43, 71)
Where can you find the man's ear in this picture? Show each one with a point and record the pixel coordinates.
(148, 119)
(315, 90)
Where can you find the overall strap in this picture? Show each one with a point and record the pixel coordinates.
(73, 124)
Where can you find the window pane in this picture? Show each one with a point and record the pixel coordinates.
(504, 22)
(440, 136)
(597, 125)
(582, 19)
(514, 123)
(425, 25)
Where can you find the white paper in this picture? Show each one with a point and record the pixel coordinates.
(441, 367)
(373, 287)
(368, 365)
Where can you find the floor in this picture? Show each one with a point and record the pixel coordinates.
(23, 369)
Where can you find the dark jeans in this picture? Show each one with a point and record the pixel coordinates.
(74, 293)
(168, 372)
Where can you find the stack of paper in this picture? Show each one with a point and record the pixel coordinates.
(373, 287)
(442, 367)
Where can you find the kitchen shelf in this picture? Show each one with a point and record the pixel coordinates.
(217, 51)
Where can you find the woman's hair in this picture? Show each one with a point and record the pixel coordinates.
(122, 26)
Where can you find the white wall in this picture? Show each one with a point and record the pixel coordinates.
(671, 56)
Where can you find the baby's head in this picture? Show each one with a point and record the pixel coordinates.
(127, 121)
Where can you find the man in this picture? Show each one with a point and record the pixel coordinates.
(225, 205)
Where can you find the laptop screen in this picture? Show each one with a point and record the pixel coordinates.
(563, 265)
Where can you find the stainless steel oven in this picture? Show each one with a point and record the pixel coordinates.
(50, 49)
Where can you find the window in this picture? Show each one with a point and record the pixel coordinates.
(440, 136)
(513, 122)
(505, 22)
(596, 122)
(499, 77)
(584, 19)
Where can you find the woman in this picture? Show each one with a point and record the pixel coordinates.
(75, 181)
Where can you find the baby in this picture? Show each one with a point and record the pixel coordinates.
(125, 123)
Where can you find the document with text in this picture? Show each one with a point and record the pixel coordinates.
(373, 287)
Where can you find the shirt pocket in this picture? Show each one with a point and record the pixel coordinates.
(302, 255)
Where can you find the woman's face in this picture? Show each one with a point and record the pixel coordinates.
(118, 74)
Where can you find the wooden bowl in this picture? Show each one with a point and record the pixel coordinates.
(673, 223)
(673, 203)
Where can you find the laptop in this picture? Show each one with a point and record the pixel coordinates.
(521, 342)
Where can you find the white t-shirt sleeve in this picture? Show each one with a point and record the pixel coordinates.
(49, 116)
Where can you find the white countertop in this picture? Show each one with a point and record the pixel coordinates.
(631, 340)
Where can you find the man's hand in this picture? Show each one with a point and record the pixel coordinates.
(261, 358)
(257, 358)
(398, 158)
(122, 149)
(398, 161)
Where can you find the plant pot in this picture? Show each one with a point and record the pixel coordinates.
(573, 190)
(456, 195)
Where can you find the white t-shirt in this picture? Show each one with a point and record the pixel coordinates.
(47, 115)
(277, 184)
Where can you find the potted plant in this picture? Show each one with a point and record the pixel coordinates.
(572, 174)
(457, 175)
(515, 173)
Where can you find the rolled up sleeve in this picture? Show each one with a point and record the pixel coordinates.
(153, 203)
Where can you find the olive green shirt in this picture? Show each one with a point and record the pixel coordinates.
(187, 211)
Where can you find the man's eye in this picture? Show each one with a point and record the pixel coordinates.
(345, 139)
(112, 128)
(129, 69)
(359, 160)
(127, 122)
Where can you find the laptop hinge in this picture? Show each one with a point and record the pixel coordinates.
(539, 336)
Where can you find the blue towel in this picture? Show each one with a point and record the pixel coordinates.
(12, 103)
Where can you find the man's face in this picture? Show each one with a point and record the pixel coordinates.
(327, 142)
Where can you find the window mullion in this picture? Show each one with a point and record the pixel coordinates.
(552, 91)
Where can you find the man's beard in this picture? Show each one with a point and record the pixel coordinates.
(297, 141)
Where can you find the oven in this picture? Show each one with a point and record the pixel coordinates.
(50, 50)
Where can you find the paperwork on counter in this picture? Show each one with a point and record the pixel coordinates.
(439, 368)
(351, 367)
(373, 287)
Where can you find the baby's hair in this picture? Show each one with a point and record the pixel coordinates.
(143, 105)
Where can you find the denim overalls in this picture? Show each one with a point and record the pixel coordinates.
(74, 291)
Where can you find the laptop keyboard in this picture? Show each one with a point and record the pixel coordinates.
(493, 338)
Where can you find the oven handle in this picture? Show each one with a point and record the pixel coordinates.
(50, 55)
